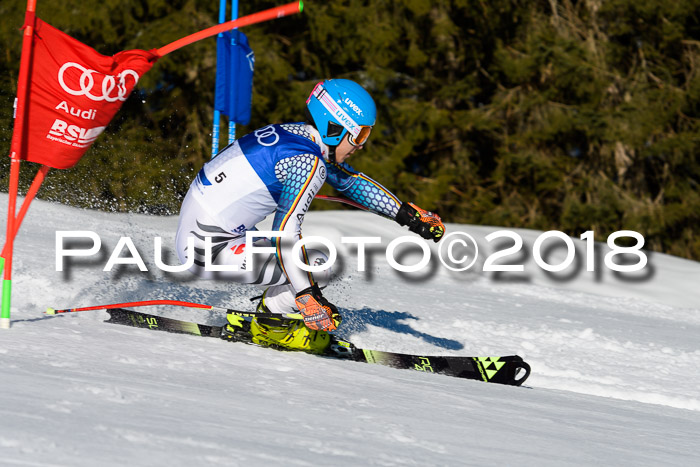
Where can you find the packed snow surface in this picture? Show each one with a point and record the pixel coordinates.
(615, 359)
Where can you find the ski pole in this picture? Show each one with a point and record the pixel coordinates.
(340, 199)
(52, 311)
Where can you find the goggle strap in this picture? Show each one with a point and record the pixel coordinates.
(330, 105)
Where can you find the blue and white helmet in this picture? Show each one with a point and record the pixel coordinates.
(340, 106)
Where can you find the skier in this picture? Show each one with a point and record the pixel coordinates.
(279, 169)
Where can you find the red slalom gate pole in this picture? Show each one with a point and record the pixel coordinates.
(33, 189)
(15, 155)
(266, 15)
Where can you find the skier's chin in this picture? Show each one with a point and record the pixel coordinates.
(343, 157)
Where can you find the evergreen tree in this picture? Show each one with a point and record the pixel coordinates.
(558, 114)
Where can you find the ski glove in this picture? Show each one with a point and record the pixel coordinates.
(319, 314)
(425, 223)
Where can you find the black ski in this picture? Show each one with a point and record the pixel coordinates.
(511, 370)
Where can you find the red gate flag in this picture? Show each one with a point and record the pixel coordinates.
(74, 92)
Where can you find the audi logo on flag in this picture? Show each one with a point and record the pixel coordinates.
(86, 84)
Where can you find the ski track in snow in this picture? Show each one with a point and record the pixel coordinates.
(615, 363)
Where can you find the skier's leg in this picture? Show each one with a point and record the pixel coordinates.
(229, 250)
(289, 334)
(280, 298)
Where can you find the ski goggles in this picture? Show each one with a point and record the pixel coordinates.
(358, 134)
(361, 137)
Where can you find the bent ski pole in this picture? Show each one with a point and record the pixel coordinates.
(340, 199)
(52, 311)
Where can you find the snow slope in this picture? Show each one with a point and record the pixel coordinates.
(615, 360)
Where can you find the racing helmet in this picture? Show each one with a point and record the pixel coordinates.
(340, 106)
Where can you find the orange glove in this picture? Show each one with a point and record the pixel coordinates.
(425, 223)
(319, 314)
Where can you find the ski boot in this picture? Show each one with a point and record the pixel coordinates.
(286, 334)
(237, 328)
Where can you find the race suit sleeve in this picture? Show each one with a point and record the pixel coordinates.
(303, 176)
(360, 188)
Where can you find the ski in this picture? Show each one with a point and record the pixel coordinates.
(510, 370)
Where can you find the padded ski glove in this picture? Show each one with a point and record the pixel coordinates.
(425, 223)
(319, 314)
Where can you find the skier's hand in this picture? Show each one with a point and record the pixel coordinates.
(319, 314)
(425, 223)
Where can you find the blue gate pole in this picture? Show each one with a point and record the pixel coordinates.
(217, 114)
(231, 122)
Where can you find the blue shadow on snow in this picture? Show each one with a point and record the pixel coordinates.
(358, 320)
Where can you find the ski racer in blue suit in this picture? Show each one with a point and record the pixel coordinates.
(279, 169)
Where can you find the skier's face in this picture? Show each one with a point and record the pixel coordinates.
(345, 150)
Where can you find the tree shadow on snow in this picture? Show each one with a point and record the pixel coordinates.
(355, 321)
